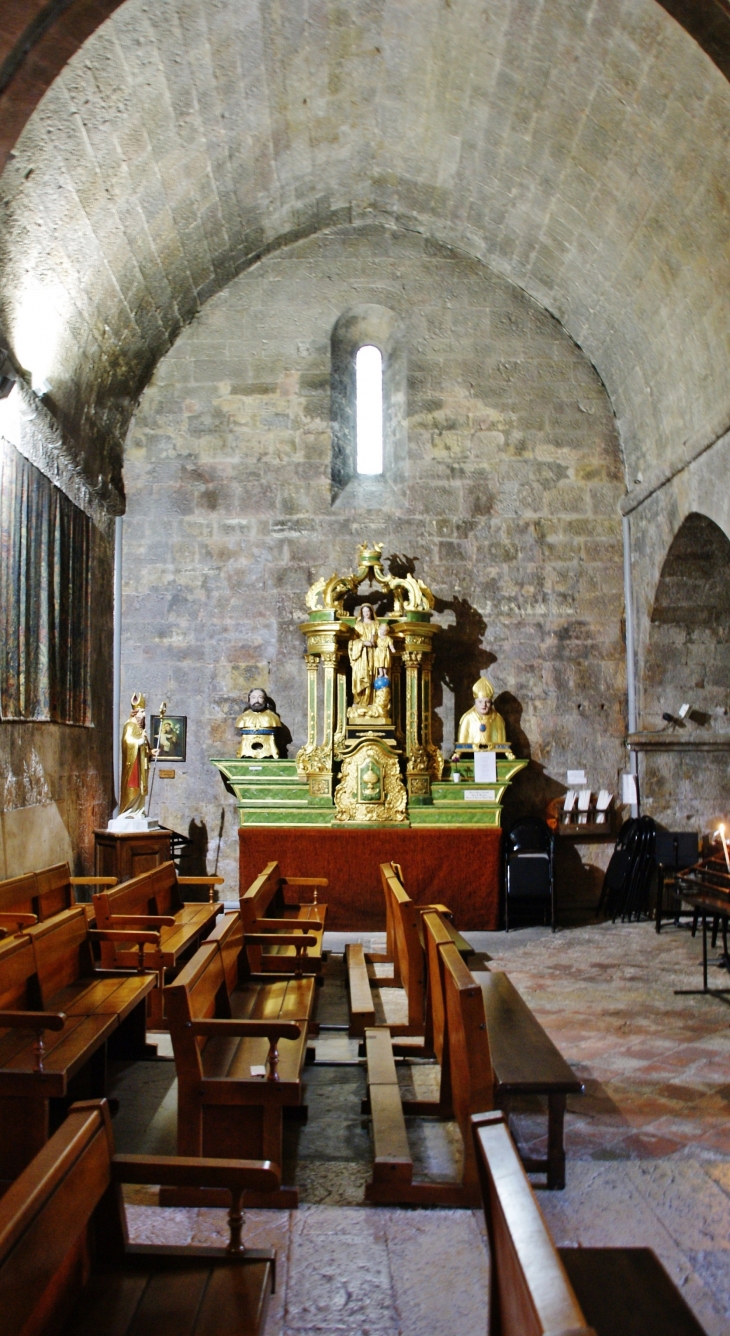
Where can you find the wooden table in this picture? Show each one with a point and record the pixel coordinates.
(123, 856)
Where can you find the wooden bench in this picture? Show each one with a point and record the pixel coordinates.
(57, 1014)
(524, 1058)
(154, 900)
(405, 951)
(537, 1289)
(68, 1269)
(466, 1060)
(264, 909)
(37, 896)
(239, 1040)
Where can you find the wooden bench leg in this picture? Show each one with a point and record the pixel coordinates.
(556, 1146)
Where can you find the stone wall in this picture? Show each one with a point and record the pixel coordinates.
(510, 511)
(680, 541)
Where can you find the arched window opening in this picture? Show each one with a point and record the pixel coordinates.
(369, 405)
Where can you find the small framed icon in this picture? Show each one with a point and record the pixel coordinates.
(170, 735)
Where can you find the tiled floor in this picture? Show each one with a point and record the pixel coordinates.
(648, 1148)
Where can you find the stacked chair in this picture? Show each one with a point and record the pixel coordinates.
(629, 875)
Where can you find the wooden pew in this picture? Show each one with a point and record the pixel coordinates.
(537, 1289)
(37, 896)
(154, 900)
(68, 1269)
(57, 1014)
(405, 949)
(264, 909)
(466, 1059)
(240, 1046)
(524, 1057)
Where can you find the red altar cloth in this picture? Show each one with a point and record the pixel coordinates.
(458, 867)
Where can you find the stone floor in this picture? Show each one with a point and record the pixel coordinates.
(648, 1146)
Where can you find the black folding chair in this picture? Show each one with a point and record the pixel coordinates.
(529, 867)
(628, 876)
(675, 851)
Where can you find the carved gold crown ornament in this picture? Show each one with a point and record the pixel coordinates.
(409, 593)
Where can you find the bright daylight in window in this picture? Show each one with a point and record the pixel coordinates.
(369, 398)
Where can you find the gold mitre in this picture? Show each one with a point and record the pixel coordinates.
(138, 701)
(483, 689)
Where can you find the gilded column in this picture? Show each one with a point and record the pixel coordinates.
(328, 727)
(411, 661)
(426, 663)
(341, 726)
(312, 662)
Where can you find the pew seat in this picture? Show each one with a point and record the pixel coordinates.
(527, 1062)
(154, 899)
(66, 1264)
(266, 913)
(240, 1044)
(537, 1289)
(467, 1086)
(58, 1013)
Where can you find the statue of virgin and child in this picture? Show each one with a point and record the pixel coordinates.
(371, 653)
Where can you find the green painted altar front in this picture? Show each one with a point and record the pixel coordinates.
(370, 760)
(274, 793)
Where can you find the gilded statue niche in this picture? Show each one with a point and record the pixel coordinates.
(370, 787)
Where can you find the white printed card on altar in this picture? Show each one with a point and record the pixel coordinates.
(485, 767)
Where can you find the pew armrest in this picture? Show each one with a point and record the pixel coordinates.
(32, 1020)
(286, 925)
(225, 1027)
(304, 881)
(93, 881)
(18, 920)
(182, 1171)
(278, 938)
(121, 935)
(200, 881)
(142, 921)
(190, 1171)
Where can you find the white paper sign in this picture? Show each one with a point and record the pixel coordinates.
(480, 795)
(485, 767)
(628, 790)
(577, 778)
(258, 1071)
(570, 798)
(584, 800)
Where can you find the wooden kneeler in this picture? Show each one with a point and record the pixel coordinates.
(470, 1086)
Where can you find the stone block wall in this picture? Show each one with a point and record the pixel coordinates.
(510, 511)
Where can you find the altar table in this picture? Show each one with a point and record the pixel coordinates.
(458, 867)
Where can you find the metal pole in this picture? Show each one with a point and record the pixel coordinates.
(630, 651)
(117, 658)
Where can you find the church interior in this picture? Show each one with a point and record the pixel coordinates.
(365, 667)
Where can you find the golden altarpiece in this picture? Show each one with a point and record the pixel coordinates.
(369, 758)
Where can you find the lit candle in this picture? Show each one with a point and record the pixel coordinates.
(721, 833)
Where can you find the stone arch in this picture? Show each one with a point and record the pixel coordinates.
(688, 655)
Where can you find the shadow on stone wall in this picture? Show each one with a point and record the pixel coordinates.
(459, 659)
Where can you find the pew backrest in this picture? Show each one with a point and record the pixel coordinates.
(530, 1294)
(408, 949)
(19, 990)
(436, 934)
(387, 872)
(18, 895)
(228, 934)
(255, 902)
(44, 1223)
(471, 1077)
(62, 951)
(155, 892)
(54, 891)
(198, 993)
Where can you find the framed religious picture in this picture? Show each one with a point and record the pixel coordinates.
(171, 736)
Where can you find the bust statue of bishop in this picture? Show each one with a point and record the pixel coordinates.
(481, 726)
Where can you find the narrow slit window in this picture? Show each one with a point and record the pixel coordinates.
(369, 401)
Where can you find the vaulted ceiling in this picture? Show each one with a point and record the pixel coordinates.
(579, 149)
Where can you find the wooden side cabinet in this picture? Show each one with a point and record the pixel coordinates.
(125, 856)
